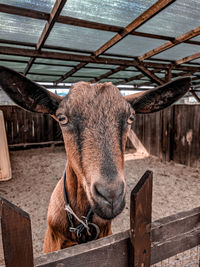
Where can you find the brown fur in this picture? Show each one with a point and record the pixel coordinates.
(94, 105)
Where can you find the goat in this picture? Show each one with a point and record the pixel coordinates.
(95, 120)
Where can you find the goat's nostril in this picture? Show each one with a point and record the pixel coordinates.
(100, 191)
(109, 194)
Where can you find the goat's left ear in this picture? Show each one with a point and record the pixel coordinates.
(160, 97)
(27, 94)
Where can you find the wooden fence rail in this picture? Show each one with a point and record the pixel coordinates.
(144, 244)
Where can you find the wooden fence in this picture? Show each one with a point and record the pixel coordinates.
(144, 244)
(29, 128)
(172, 134)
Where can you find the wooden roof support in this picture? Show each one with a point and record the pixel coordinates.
(169, 44)
(25, 12)
(187, 59)
(195, 96)
(164, 47)
(106, 74)
(89, 59)
(127, 80)
(59, 4)
(149, 74)
(148, 14)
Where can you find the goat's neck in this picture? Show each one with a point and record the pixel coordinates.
(79, 202)
(75, 193)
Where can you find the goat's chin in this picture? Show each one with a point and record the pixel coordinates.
(105, 212)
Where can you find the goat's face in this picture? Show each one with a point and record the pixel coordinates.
(95, 120)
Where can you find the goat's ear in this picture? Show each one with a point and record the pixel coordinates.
(159, 97)
(28, 94)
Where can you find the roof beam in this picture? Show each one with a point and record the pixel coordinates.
(149, 74)
(89, 59)
(148, 14)
(194, 32)
(106, 74)
(169, 44)
(25, 12)
(58, 6)
(187, 59)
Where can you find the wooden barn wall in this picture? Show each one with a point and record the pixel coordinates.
(171, 134)
(25, 127)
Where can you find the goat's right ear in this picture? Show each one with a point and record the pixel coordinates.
(28, 94)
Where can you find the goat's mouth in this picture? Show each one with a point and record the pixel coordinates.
(106, 210)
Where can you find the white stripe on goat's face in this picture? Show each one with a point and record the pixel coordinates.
(94, 125)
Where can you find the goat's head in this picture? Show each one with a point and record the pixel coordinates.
(95, 119)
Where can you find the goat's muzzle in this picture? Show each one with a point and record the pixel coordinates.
(108, 199)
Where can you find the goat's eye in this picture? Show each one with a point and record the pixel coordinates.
(63, 119)
(131, 119)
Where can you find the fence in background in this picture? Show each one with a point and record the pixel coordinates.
(171, 134)
(29, 128)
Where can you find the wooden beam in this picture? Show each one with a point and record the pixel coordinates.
(187, 59)
(174, 234)
(69, 73)
(58, 6)
(195, 96)
(137, 143)
(149, 74)
(89, 59)
(186, 36)
(15, 228)
(105, 75)
(164, 47)
(148, 14)
(5, 167)
(140, 222)
(126, 80)
(25, 12)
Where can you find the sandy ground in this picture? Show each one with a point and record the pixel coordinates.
(36, 172)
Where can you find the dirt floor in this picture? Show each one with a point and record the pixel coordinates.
(36, 172)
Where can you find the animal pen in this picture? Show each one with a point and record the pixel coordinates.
(136, 46)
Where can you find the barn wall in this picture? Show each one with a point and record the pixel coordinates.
(171, 134)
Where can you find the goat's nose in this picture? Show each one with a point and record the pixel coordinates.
(110, 193)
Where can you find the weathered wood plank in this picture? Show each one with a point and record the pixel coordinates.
(175, 224)
(5, 168)
(175, 245)
(109, 251)
(140, 221)
(16, 235)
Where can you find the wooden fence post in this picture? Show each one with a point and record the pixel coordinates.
(140, 222)
(15, 228)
